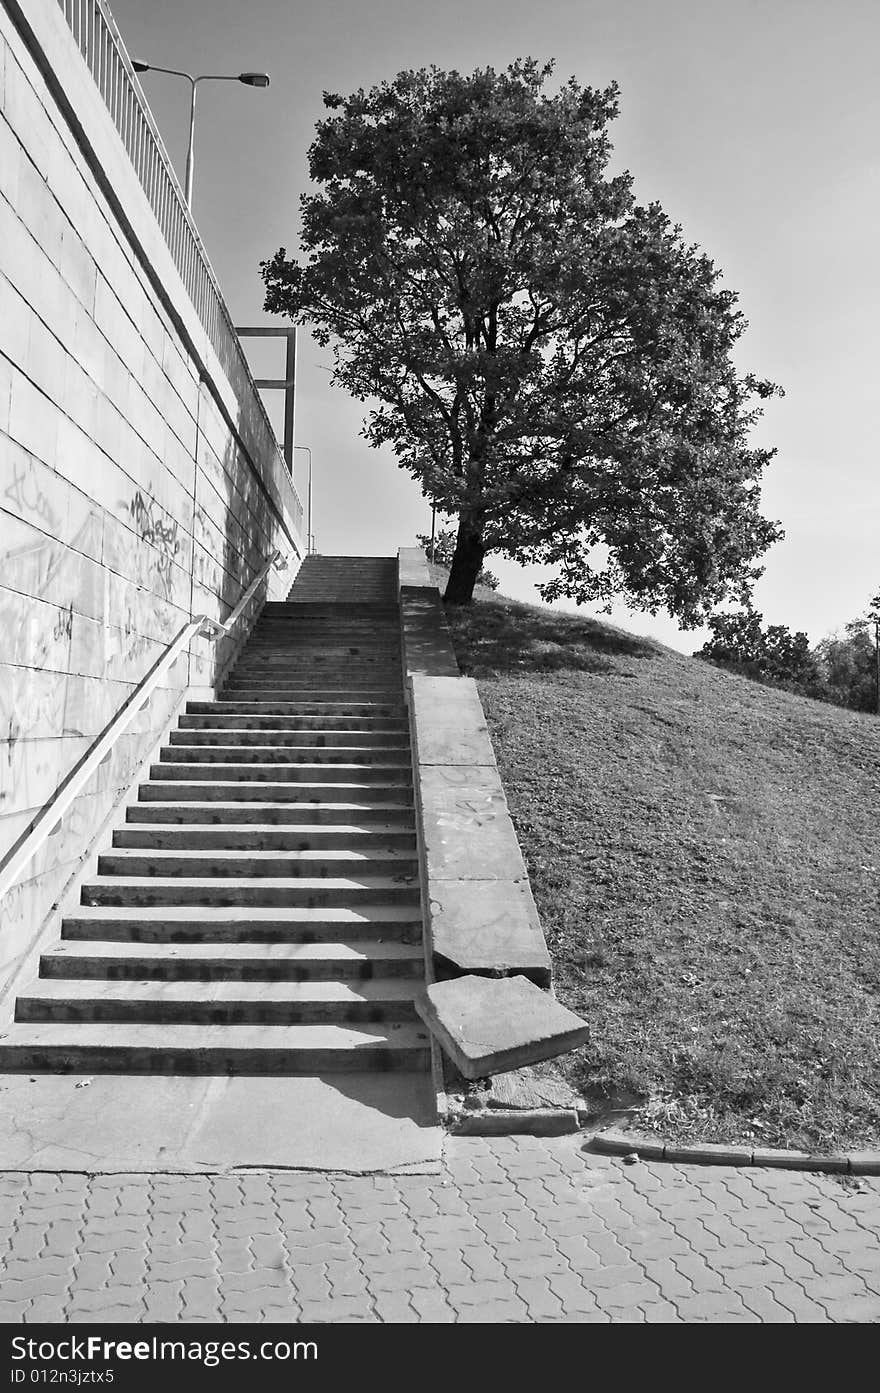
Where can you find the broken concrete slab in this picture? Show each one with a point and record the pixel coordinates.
(491, 1025)
(488, 927)
(528, 1089)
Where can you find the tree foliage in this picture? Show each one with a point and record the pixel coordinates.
(773, 654)
(549, 358)
(444, 551)
(841, 668)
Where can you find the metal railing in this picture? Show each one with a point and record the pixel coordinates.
(23, 851)
(100, 43)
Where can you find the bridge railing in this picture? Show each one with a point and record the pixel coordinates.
(100, 43)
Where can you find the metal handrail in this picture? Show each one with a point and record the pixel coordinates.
(29, 843)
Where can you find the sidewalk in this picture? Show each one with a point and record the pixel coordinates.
(513, 1229)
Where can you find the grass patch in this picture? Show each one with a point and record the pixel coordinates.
(704, 855)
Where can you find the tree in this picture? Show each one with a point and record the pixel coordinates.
(773, 654)
(850, 662)
(444, 551)
(547, 357)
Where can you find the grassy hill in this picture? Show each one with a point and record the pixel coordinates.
(705, 858)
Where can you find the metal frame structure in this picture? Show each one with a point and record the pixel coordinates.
(287, 383)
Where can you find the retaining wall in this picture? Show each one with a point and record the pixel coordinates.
(140, 482)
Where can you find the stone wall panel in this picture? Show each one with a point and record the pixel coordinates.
(139, 481)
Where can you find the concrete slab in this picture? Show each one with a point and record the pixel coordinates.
(112, 1123)
(488, 926)
(412, 569)
(466, 829)
(490, 1025)
(450, 727)
(427, 644)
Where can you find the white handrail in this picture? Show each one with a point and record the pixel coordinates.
(30, 841)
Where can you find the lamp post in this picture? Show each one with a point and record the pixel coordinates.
(249, 80)
(309, 533)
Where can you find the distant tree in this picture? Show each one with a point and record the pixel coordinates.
(849, 662)
(847, 665)
(444, 551)
(551, 360)
(773, 654)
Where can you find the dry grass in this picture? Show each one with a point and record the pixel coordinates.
(704, 854)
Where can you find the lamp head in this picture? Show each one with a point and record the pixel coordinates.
(140, 67)
(254, 79)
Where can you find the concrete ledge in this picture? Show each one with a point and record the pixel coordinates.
(480, 915)
(491, 1026)
(487, 927)
(507, 1122)
(624, 1144)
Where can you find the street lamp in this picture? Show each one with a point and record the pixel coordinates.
(309, 534)
(249, 80)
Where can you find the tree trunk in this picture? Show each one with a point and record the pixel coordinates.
(467, 562)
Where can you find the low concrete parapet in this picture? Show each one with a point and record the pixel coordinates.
(480, 915)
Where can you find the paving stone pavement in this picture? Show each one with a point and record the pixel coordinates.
(513, 1229)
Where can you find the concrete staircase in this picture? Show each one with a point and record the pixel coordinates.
(259, 911)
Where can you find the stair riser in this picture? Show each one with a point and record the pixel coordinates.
(284, 728)
(221, 894)
(288, 816)
(225, 708)
(103, 968)
(281, 754)
(309, 794)
(318, 691)
(262, 931)
(314, 772)
(218, 839)
(329, 644)
(294, 651)
(146, 1012)
(242, 865)
(297, 739)
(225, 1060)
(350, 665)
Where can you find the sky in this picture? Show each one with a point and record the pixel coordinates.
(756, 123)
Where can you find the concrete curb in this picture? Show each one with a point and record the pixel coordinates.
(507, 1122)
(623, 1144)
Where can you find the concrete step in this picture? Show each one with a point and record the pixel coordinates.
(315, 770)
(355, 959)
(258, 791)
(317, 864)
(305, 891)
(214, 724)
(212, 1049)
(336, 709)
(357, 838)
(272, 649)
(315, 683)
(329, 737)
(318, 631)
(95, 1000)
(353, 669)
(379, 923)
(314, 611)
(267, 692)
(286, 815)
(351, 754)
